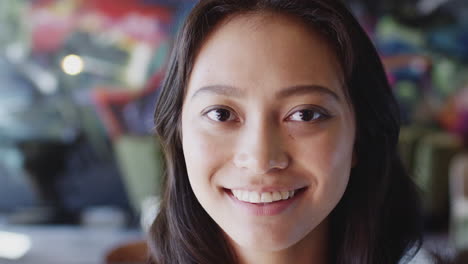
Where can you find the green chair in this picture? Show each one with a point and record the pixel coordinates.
(459, 201)
(139, 159)
(431, 172)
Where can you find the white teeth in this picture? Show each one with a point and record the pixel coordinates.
(244, 196)
(265, 197)
(277, 196)
(254, 197)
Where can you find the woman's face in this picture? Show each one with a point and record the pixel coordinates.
(265, 115)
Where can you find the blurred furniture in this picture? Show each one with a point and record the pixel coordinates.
(44, 160)
(138, 154)
(459, 201)
(139, 159)
(136, 147)
(130, 253)
(410, 137)
(427, 155)
(431, 171)
(69, 244)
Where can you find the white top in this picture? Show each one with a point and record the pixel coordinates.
(422, 257)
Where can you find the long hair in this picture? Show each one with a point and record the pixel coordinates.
(378, 218)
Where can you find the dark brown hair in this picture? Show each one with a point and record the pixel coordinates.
(378, 218)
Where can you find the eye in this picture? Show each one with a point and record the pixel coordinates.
(308, 115)
(220, 115)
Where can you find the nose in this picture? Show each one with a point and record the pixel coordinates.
(261, 149)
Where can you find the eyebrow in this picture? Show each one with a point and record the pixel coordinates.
(225, 90)
(299, 90)
(296, 90)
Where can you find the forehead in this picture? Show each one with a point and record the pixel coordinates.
(263, 52)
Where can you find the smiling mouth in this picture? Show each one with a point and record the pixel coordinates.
(264, 198)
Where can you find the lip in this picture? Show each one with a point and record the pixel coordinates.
(269, 188)
(262, 209)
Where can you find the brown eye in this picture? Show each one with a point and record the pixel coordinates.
(307, 115)
(220, 115)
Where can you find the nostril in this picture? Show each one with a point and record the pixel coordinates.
(261, 164)
(277, 165)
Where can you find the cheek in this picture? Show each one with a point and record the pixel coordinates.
(204, 154)
(328, 159)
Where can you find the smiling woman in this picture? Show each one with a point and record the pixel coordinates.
(279, 132)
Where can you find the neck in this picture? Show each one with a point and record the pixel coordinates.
(313, 248)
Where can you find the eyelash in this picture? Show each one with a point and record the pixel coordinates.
(218, 108)
(323, 114)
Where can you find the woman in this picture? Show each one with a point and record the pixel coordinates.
(280, 134)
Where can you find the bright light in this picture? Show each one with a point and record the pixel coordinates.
(72, 64)
(13, 246)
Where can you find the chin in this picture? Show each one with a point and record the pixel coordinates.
(265, 241)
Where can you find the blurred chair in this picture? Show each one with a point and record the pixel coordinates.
(139, 159)
(410, 137)
(431, 171)
(459, 201)
(136, 147)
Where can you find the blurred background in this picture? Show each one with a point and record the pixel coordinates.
(79, 163)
